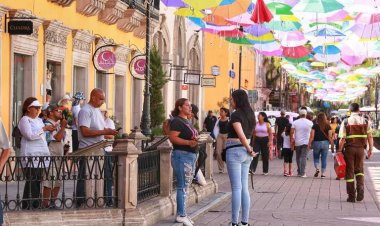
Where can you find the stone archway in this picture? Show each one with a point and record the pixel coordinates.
(194, 64)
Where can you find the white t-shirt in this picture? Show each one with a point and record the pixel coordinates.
(109, 124)
(4, 141)
(286, 143)
(302, 129)
(93, 119)
(75, 109)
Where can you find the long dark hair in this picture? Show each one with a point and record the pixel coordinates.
(288, 127)
(179, 103)
(226, 111)
(265, 117)
(28, 101)
(241, 103)
(322, 121)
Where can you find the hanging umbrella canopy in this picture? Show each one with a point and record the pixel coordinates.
(174, 3)
(293, 39)
(215, 20)
(242, 20)
(240, 41)
(268, 37)
(283, 25)
(327, 58)
(197, 21)
(277, 53)
(296, 52)
(257, 30)
(317, 6)
(279, 8)
(236, 33)
(197, 4)
(287, 2)
(268, 47)
(353, 53)
(329, 49)
(261, 13)
(189, 13)
(232, 10)
(370, 31)
(327, 32)
(227, 2)
(366, 18)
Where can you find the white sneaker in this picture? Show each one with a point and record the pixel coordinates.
(185, 220)
(304, 176)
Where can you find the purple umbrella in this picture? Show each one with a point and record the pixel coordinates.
(174, 3)
(257, 30)
(371, 31)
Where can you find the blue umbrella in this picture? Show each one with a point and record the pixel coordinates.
(329, 49)
(227, 2)
(328, 32)
(197, 21)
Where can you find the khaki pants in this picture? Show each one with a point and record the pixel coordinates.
(220, 145)
(354, 157)
(55, 168)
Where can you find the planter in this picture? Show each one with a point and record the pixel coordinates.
(376, 142)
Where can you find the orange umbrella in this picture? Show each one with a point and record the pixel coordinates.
(231, 10)
(216, 20)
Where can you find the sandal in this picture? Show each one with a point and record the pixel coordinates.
(316, 173)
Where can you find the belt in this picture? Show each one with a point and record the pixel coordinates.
(356, 136)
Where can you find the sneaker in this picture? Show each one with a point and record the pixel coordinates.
(323, 176)
(304, 176)
(265, 174)
(185, 220)
(360, 196)
(286, 174)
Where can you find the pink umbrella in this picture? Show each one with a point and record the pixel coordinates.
(371, 31)
(365, 18)
(296, 52)
(372, 3)
(293, 39)
(242, 19)
(233, 33)
(353, 53)
(277, 53)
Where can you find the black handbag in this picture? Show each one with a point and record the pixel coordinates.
(224, 151)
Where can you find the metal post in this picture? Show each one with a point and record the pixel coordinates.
(145, 118)
(240, 55)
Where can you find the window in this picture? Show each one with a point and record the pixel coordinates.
(101, 81)
(79, 80)
(55, 80)
(119, 99)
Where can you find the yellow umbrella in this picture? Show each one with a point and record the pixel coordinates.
(290, 18)
(202, 4)
(189, 12)
(267, 37)
(228, 11)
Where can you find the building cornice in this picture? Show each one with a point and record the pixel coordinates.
(90, 7)
(63, 3)
(113, 11)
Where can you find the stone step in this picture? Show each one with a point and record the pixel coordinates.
(199, 209)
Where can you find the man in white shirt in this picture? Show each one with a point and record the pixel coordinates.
(5, 152)
(299, 135)
(91, 131)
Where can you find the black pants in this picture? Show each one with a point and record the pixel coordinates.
(288, 155)
(80, 189)
(108, 178)
(74, 136)
(261, 146)
(202, 156)
(31, 198)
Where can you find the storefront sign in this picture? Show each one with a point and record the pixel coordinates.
(106, 60)
(20, 27)
(184, 87)
(209, 81)
(137, 66)
(192, 79)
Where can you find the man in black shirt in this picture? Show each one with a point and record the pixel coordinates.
(209, 123)
(281, 123)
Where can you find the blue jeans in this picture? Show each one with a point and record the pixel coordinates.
(238, 161)
(183, 163)
(320, 150)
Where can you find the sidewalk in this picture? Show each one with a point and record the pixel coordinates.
(279, 200)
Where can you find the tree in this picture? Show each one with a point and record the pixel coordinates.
(158, 81)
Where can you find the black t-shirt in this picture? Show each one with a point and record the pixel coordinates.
(240, 116)
(318, 135)
(210, 123)
(187, 132)
(281, 123)
(223, 126)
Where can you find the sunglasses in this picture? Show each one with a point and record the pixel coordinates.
(59, 111)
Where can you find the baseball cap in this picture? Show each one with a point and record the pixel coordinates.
(35, 104)
(195, 110)
(302, 112)
(54, 106)
(79, 96)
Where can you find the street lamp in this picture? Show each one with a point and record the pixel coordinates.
(145, 118)
(240, 56)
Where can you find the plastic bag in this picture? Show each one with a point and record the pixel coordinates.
(200, 178)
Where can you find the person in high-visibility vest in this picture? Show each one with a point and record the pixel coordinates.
(355, 132)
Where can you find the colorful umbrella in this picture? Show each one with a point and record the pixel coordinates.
(293, 39)
(215, 20)
(197, 21)
(257, 30)
(240, 41)
(261, 13)
(296, 52)
(352, 53)
(283, 25)
(242, 20)
(370, 31)
(288, 2)
(197, 4)
(365, 18)
(232, 10)
(277, 53)
(280, 8)
(227, 2)
(329, 49)
(174, 3)
(327, 32)
(236, 33)
(317, 6)
(189, 13)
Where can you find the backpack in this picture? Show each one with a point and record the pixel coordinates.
(16, 134)
(166, 127)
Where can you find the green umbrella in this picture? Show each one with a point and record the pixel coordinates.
(277, 25)
(317, 6)
(280, 8)
(240, 41)
(297, 60)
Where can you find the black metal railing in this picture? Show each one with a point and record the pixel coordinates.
(148, 175)
(59, 182)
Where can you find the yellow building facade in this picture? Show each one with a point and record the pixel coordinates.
(218, 52)
(65, 35)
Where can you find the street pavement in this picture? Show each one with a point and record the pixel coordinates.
(278, 200)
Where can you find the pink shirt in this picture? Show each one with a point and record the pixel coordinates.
(261, 130)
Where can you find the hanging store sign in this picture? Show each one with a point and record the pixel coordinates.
(192, 79)
(106, 60)
(20, 27)
(209, 81)
(137, 67)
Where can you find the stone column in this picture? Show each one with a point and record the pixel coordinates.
(166, 170)
(137, 137)
(209, 166)
(127, 172)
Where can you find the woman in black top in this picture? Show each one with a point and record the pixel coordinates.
(184, 139)
(320, 137)
(220, 132)
(239, 154)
